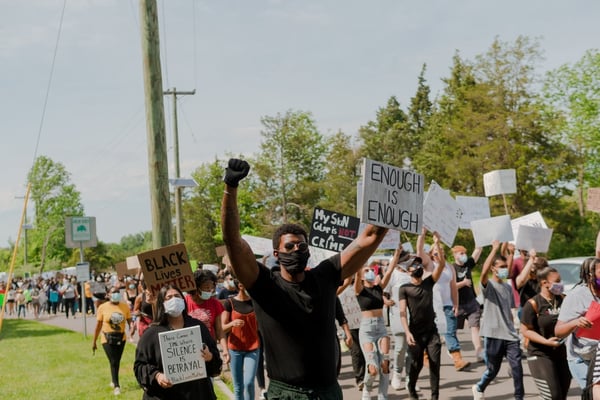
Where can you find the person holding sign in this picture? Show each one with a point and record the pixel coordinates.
(148, 366)
(497, 326)
(295, 308)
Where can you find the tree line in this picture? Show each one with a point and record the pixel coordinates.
(494, 112)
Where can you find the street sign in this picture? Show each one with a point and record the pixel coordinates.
(83, 271)
(81, 229)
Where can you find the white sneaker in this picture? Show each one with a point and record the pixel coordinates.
(366, 395)
(396, 381)
(477, 395)
(263, 394)
(117, 391)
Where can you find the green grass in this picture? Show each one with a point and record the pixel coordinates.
(39, 361)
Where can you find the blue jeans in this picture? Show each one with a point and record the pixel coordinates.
(452, 342)
(495, 350)
(372, 330)
(579, 369)
(243, 372)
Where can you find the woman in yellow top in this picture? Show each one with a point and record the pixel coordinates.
(112, 316)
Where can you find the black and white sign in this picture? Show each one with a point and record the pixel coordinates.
(331, 230)
(181, 352)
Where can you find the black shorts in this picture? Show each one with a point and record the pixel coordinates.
(470, 312)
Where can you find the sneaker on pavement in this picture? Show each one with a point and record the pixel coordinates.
(417, 388)
(112, 385)
(477, 395)
(117, 391)
(396, 381)
(366, 395)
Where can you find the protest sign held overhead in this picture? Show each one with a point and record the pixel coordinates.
(332, 231)
(534, 219)
(533, 237)
(485, 231)
(502, 181)
(168, 264)
(441, 213)
(593, 199)
(392, 197)
(474, 208)
(181, 352)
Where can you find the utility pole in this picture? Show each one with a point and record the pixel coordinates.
(178, 189)
(155, 126)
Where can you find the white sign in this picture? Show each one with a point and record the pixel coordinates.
(485, 231)
(474, 208)
(502, 181)
(260, 246)
(392, 197)
(83, 271)
(534, 219)
(81, 230)
(441, 213)
(350, 307)
(390, 240)
(531, 237)
(181, 352)
(133, 263)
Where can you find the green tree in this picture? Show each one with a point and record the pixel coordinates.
(573, 93)
(54, 198)
(289, 169)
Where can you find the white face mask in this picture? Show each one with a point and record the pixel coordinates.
(205, 295)
(174, 306)
(463, 258)
(115, 297)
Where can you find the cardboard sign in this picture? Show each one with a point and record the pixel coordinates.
(502, 181)
(392, 197)
(332, 231)
(593, 199)
(121, 268)
(441, 213)
(534, 219)
(168, 264)
(485, 231)
(532, 237)
(350, 307)
(474, 208)
(181, 352)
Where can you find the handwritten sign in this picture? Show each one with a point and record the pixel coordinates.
(532, 237)
(593, 199)
(392, 197)
(181, 352)
(534, 219)
(390, 240)
(167, 265)
(332, 231)
(441, 213)
(474, 208)
(350, 307)
(502, 181)
(485, 231)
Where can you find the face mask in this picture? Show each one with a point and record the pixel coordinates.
(230, 285)
(174, 306)
(131, 286)
(370, 276)
(557, 288)
(294, 262)
(205, 295)
(502, 273)
(463, 258)
(417, 273)
(98, 279)
(115, 297)
(597, 281)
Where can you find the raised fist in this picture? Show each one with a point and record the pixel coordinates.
(236, 171)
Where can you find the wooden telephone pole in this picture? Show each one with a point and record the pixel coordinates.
(158, 169)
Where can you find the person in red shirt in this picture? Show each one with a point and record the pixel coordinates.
(204, 306)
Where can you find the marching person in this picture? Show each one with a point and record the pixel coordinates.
(295, 308)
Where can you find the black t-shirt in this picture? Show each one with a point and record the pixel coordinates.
(419, 300)
(543, 322)
(243, 307)
(466, 294)
(528, 290)
(370, 298)
(297, 322)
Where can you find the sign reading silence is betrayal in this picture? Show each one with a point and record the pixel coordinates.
(168, 264)
(331, 230)
(392, 197)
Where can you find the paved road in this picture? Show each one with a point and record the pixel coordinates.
(453, 385)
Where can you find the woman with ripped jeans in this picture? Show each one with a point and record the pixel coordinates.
(373, 337)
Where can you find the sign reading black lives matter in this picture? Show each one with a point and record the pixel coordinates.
(166, 265)
(181, 352)
(331, 230)
(392, 197)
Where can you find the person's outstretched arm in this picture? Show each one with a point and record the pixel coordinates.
(357, 253)
(487, 265)
(242, 258)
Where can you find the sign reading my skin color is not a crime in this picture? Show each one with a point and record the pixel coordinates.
(166, 265)
(392, 197)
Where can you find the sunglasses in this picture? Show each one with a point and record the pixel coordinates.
(302, 246)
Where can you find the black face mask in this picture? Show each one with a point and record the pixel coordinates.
(417, 273)
(294, 262)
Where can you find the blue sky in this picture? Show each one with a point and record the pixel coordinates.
(339, 59)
